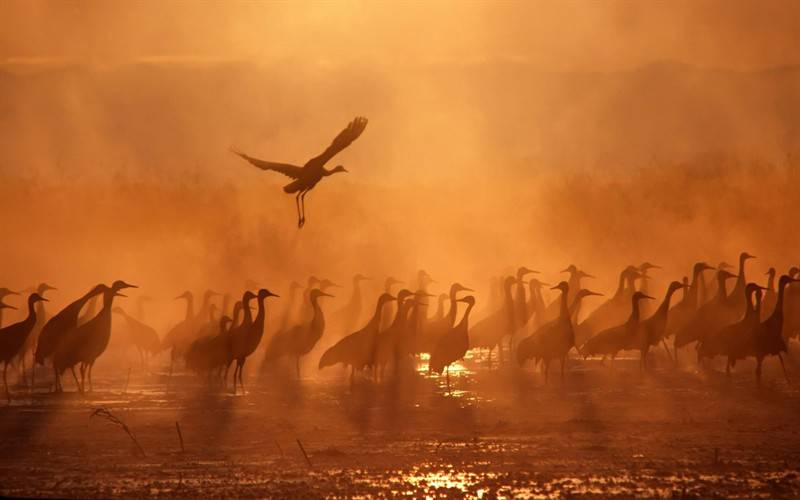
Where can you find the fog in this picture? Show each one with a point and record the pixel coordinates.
(543, 136)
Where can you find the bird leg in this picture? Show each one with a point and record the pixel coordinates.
(83, 377)
(785, 375)
(669, 354)
(303, 207)
(57, 385)
(5, 381)
(758, 371)
(299, 215)
(75, 376)
(241, 370)
(91, 388)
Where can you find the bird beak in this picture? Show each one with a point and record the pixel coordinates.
(323, 294)
(648, 297)
(8, 306)
(128, 285)
(42, 299)
(594, 293)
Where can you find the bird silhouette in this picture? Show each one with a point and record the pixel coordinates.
(653, 330)
(5, 292)
(31, 340)
(387, 345)
(576, 276)
(245, 340)
(57, 326)
(554, 339)
(722, 342)
(434, 330)
(3, 305)
(489, 331)
(611, 341)
(536, 309)
(520, 304)
(307, 176)
(767, 338)
(453, 345)
(683, 312)
(357, 349)
(440, 300)
(791, 306)
(613, 311)
(182, 329)
(13, 337)
(142, 336)
(768, 302)
(85, 343)
(711, 316)
(647, 308)
(209, 354)
(737, 296)
(390, 308)
(298, 340)
(349, 316)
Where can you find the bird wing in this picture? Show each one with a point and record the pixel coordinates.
(345, 137)
(292, 171)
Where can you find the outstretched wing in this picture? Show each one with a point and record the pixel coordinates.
(345, 137)
(292, 171)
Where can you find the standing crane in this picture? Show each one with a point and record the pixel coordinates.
(307, 176)
(13, 337)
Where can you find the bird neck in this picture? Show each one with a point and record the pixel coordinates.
(663, 309)
(376, 316)
(564, 311)
(777, 313)
(620, 285)
(771, 281)
(261, 312)
(248, 314)
(575, 308)
(464, 323)
(318, 320)
(697, 281)
(31, 312)
(453, 310)
(634, 317)
(722, 292)
(740, 281)
(189, 307)
(355, 300)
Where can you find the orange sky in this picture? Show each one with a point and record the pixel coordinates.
(548, 35)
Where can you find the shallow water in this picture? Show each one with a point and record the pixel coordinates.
(494, 434)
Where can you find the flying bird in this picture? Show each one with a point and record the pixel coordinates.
(306, 177)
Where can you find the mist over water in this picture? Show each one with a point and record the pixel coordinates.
(499, 135)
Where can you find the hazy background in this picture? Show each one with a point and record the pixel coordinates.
(538, 133)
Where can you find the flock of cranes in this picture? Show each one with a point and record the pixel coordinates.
(749, 321)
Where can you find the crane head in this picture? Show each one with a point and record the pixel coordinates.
(264, 293)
